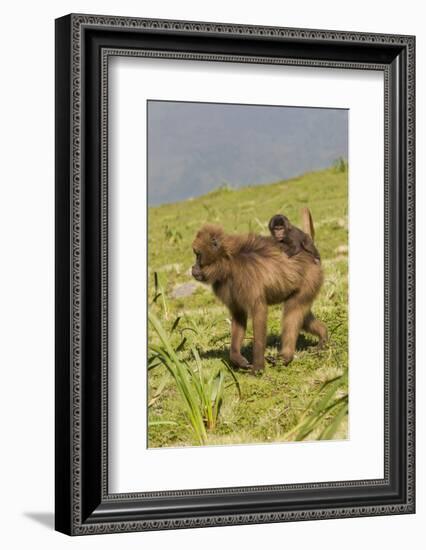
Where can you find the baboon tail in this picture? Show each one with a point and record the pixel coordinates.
(307, 222)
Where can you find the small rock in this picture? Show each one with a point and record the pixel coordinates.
(342, 249)
(186, 289)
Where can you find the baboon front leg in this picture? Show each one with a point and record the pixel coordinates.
(260, 314)
(294, 313)
(312, 325)
(238, 330)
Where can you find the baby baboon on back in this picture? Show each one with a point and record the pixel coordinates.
(292, 239)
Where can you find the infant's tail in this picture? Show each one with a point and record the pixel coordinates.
(307, 222)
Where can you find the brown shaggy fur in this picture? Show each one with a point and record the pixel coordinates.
(250, 272)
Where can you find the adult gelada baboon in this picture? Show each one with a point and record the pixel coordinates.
(250, 272)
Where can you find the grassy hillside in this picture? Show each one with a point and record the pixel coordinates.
(274, 406)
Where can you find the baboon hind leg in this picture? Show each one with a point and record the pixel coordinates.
(316, 327)
(260, 314)
(294, 313)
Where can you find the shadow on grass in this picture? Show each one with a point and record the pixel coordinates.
(272, 341)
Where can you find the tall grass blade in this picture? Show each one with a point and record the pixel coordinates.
(330, 430)
(175, 324)
(319, 407)
(234, 377)
(180, 373)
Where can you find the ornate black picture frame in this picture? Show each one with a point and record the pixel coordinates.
(84, 44)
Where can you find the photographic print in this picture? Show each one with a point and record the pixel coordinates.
(247, 274)
(234, 274)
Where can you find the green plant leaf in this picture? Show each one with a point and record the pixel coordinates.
(330, 430)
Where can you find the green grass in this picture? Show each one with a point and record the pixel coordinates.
(285, 403)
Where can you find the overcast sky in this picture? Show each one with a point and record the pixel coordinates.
(194, 148)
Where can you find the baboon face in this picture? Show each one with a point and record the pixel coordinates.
(197, 271)
(279, 226)
(279, 232)
(207, 247)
